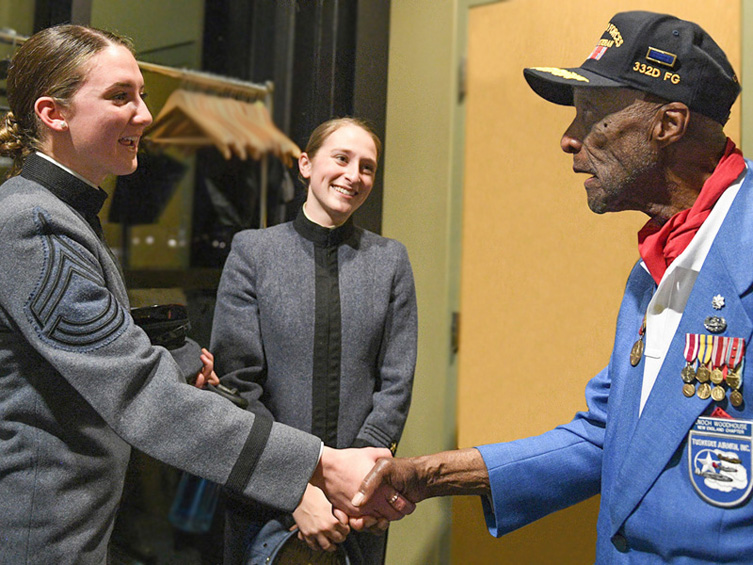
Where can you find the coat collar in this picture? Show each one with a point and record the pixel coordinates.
(80, 196)
(319, 235)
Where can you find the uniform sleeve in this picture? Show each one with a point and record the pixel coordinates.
(236, 334)
(60, 295)
(396, 362)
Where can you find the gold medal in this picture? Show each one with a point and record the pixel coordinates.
(736, 398)
(636, 353)
(704, 391)
(718, 393)
(688, 373)
(688, 390)
(703, 375)
(733, 380)
(717, 376)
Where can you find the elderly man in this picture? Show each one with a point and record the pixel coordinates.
(667, 436)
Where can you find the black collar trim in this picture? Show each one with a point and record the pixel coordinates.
(320, 235)
(84, 198)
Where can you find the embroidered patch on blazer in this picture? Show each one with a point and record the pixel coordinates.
(719, 459)
(71, 308)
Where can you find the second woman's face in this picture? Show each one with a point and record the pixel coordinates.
(107, 116)
(340, 174)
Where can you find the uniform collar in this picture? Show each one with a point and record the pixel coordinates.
(320, 235)
(80, 195)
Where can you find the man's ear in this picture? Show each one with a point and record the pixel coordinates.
(672, 123)
(50, 114)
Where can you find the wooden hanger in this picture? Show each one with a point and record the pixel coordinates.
(235, 127)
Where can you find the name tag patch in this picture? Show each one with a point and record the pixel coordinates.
(719, 460)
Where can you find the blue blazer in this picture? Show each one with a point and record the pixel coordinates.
(649, 511)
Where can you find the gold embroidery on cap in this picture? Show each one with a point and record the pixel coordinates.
(562, 73)
(615, 33)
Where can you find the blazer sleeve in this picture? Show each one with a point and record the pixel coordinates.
(58, 296)
(236, 334)
(396, 362)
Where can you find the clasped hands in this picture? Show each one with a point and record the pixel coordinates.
(325, 522)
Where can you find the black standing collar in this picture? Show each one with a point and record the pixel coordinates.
(79, 195)
(320, 235)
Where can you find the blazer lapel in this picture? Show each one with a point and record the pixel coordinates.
(668, 415)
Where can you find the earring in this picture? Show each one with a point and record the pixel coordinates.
(64, 126)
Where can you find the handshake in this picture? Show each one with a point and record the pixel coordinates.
(339, 499)
(367, 489)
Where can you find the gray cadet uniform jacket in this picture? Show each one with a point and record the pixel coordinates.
(318, 329)
(79, 382)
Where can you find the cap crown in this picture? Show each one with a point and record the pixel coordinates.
(656, 53)
(671, 58)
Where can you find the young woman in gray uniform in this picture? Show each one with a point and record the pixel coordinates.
(79, 381)
(315, 325)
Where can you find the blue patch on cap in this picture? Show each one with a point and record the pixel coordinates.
(661, 57)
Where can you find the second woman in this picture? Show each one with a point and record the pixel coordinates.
(316, 326)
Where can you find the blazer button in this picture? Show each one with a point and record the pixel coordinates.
(620, 543)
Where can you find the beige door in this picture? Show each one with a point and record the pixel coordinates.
(542, 276)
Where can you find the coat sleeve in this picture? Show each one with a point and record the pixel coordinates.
(396, 362)
(61, 298)
(236, 333)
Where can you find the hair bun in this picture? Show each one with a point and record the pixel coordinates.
(11, 142)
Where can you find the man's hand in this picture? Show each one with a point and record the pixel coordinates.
(447, 473)
(317, 525)
(400, 474)
(339, 474)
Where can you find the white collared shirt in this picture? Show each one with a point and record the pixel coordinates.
(74, 173)
(668, 303)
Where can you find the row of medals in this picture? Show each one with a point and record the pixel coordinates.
(706, 377)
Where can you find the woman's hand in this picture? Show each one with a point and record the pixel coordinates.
(317, 525)
(206, 375)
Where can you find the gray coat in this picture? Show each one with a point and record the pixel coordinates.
(266, 338)
(80, 383)
(318, 329)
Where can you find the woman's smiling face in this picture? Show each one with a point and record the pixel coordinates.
(107, 116)
(340, 174)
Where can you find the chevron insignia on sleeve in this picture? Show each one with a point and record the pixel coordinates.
(71, 308)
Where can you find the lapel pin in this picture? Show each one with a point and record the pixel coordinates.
(715, 324)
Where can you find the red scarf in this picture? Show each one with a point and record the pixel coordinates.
(659, 246)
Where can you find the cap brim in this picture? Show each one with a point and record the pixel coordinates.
(556, 85)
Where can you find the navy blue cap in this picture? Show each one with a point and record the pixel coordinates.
(655, 53)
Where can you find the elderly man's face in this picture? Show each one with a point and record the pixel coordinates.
(610, 139)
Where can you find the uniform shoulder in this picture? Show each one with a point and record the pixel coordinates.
(375, 240)
(262, 236)
(18, 195)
